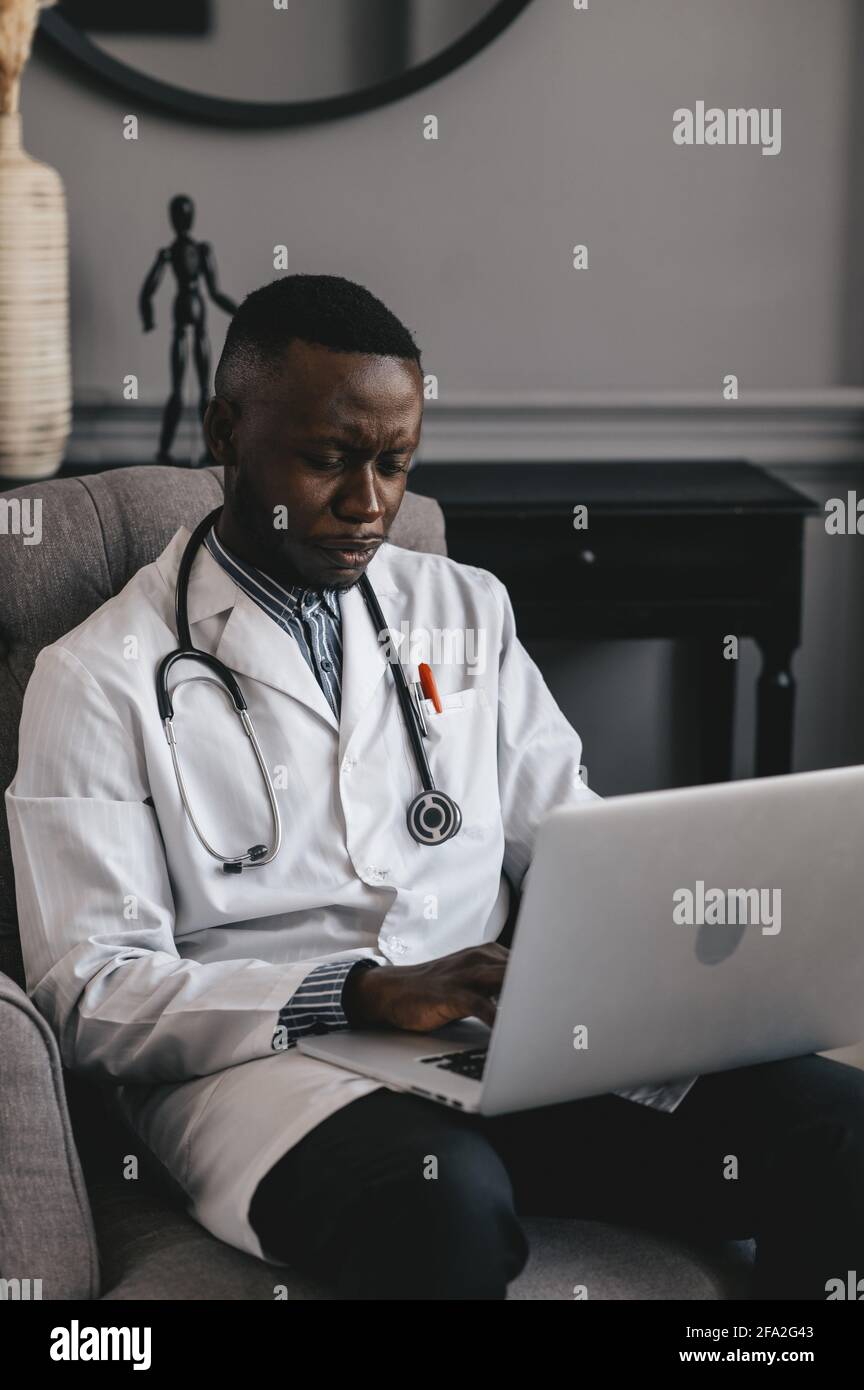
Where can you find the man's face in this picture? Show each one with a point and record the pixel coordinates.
(316, 465)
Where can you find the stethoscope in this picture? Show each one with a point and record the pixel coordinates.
(432, 816)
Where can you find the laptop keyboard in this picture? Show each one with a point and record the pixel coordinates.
(470, 1062)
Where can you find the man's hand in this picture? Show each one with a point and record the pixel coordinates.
(424, 997)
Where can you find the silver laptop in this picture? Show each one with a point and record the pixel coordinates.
(659, 936)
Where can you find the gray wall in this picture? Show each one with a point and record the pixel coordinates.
(702, 262)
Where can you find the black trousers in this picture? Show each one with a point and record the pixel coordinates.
(396, 1197)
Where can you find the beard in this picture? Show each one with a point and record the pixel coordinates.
(276, 549)
(250, 513)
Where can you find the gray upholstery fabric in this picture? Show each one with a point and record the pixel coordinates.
(46, 1231)
(154, 1252)
(97, 531)
(612, 1263)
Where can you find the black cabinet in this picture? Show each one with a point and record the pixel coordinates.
(700, 551)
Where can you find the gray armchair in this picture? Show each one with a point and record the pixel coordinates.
(67, 1215)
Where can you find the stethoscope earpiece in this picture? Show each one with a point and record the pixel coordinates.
(253, 855)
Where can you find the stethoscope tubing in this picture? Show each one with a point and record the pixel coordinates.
(445, 809)
(403, 694)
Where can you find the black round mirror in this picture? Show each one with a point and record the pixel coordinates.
(273, 62)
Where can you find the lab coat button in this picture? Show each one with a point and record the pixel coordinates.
(397, 945)
(348, 764)
(377, 874)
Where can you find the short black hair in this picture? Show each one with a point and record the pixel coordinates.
(328, 310)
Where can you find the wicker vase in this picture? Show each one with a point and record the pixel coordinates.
(35, 381)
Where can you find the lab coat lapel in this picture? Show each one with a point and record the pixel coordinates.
(364, 658)
(251, 644)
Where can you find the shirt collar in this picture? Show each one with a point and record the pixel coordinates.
(268, 591)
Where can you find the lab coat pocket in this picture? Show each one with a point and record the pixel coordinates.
(456, 702)
(460, 745)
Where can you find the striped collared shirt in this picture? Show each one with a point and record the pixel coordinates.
(312, 616)
(314, 619)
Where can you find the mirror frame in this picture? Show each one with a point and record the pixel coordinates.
(75, 45)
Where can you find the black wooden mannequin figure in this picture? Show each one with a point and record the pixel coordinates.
(189, 259)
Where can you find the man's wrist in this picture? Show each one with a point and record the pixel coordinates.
(356, 984)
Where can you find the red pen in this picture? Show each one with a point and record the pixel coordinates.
(430, 689)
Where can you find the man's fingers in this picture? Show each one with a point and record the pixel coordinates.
(491, 950)
(471, 1003)
(487, 976)
(483, 1008)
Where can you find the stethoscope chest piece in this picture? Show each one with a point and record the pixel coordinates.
(433, 817)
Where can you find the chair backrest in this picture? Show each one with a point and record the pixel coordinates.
(96, 532)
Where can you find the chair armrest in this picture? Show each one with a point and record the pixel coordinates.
(46, 1227)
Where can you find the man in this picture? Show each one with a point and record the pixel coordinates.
(187, 988)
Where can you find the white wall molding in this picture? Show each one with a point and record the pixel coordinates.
(768, 427)
(782, 427)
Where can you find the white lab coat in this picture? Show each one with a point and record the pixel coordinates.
(164, 975)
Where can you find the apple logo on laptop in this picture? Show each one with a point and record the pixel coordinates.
(715, 943)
